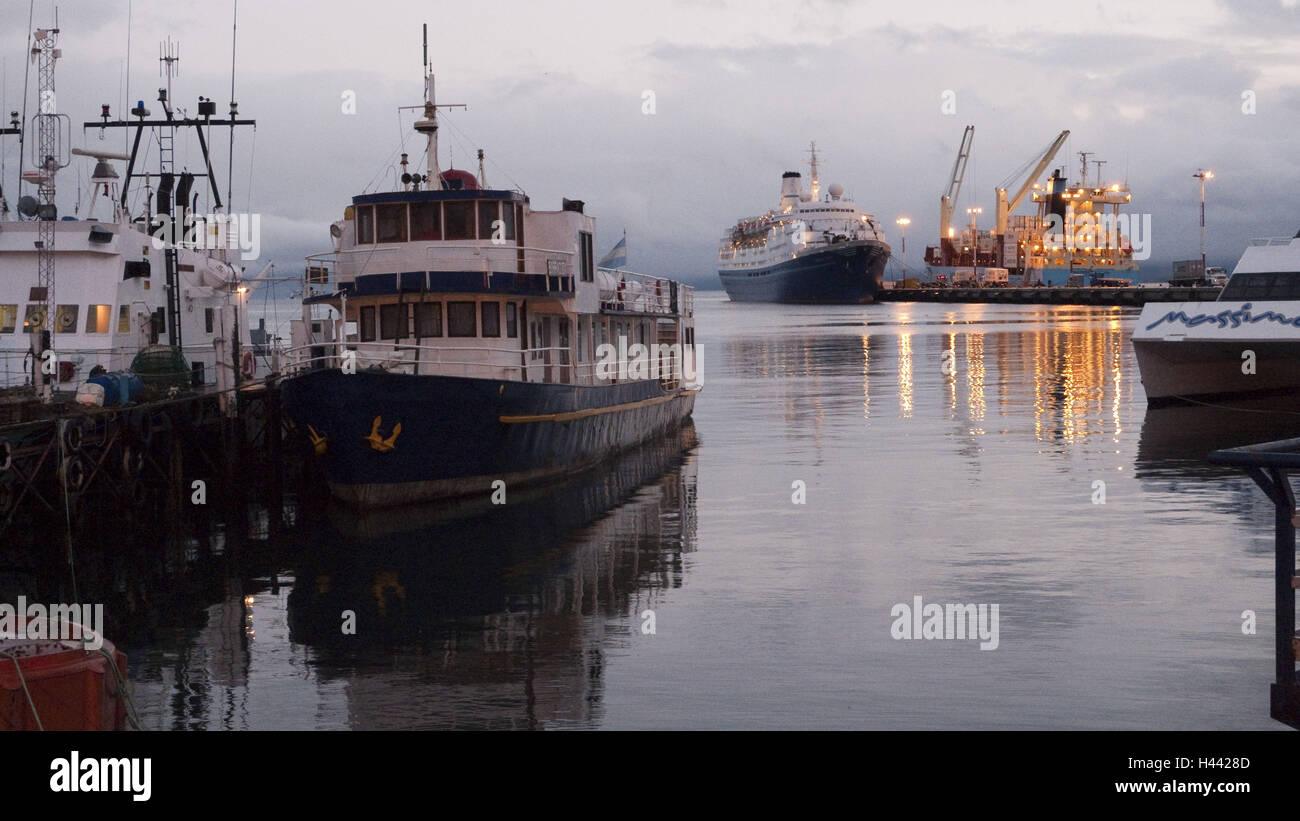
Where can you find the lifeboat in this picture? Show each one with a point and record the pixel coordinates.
(52, 684)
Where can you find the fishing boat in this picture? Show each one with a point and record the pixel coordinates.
(809, 249)
(147, 261)
(458, 341)
(1247, 342)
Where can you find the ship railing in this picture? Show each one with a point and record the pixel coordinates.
(630, 292)
(500, 266)
(16, 363)
(550, 365)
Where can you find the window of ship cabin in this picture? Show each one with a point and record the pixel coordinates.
(428, 319)
(8, 318)
(488, 213)
(124, 319)
(426, 221)
(491, 318)
(368, 323)
(585, 256)
(508, 216)
(512, 321)
(458, 219)
(461, 319)
(391, 220)
(65, 319)
(208, 319)
(365, 225)
(34, 318)
(98, 319)
(392, 321)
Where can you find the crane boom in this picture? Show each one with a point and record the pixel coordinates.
(949, 200)
(1005, 206)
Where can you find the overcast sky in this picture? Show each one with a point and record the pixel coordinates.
(555, 93)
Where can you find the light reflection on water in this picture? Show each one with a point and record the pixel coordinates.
(976, 486)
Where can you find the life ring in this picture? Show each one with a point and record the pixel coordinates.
(248, 365)
(71, 435)
(73, 473)
(132, 461)
(6, 456)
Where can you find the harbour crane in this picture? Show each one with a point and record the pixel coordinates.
(949, 200)
(1006, 206)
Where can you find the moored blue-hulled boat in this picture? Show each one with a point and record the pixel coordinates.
(456, 338)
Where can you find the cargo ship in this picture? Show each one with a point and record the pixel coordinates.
(811, 248)
(456, 341)
(1077, 235)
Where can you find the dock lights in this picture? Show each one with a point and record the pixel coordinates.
(902, 223)
(1203, 174)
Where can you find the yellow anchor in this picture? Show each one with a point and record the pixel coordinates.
(318, 442)
(378, 442)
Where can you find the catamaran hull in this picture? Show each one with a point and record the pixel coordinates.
(460, 435)
(848, 273)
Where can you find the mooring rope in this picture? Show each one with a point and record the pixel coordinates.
(23, 680)
(67, 509)
(122, 692)
(1231, 407)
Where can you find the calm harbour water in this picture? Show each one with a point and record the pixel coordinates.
(976, 487)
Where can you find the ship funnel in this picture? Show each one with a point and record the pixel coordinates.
(791, 182)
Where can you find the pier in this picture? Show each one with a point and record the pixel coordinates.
(225, 451)
(1051, 295)
(1269, 465)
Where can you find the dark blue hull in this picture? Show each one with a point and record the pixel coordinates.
(848, 273)
(460, 435)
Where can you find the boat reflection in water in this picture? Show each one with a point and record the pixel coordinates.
(1175, 440)
(496, 616)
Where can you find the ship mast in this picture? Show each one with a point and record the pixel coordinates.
(429, 125)
(51, 155)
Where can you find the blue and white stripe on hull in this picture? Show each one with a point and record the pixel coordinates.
(844, 273)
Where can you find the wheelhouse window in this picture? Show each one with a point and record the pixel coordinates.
(426, 221)
(365, 225)
(461, 319)
(458, 219)
(65, 319)
(392, 321)
(391, 221)
(428, 319)
(8, 318)
(586, 258)
(488, 214)
(98, 319)
(508, 217)
(368, 323)
(1266, 286)
(512, 320)
(491, 318)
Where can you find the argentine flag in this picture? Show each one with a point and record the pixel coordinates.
(616, 259)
